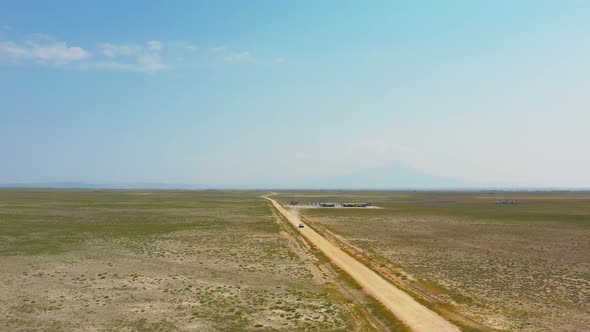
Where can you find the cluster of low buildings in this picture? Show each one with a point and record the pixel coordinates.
(332, 204)
(507, 202)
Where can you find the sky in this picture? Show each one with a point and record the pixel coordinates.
(248, 93)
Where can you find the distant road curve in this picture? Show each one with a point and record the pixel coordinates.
(403, 306)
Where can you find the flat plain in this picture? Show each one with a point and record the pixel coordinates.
(102, 260)
(129, 260)
(517, 267)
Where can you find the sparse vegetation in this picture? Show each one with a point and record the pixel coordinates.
(154, 261)
(210, 260)
(522, 266)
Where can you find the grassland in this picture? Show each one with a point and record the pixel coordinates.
(521, 267)
(79, 260)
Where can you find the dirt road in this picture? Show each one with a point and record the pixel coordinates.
(403, 306)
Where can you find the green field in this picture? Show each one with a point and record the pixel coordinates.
(78, 260)
(521, 267)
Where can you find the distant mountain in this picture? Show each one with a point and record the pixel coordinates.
(392, 176)
(84, 185)
(72, 185)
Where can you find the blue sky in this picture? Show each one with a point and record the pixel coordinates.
(255, 92)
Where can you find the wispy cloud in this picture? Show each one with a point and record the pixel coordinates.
(150, 63)
(226, 54)
(114, 50)
(219, 49)
(154, 45)
(146, 58)
(145, 64)
(187, 47)
(43, 50)
(279, 60)
(238, 57)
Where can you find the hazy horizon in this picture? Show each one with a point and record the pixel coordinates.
(328, 94)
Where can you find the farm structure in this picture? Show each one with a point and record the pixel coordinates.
(501, 202)
(335, 204)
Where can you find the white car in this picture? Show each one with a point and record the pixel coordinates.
(301, 225)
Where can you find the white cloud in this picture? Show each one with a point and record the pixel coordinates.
(113, 50)
(228, 55)
(188, 47)
(132, 57)
(219, 49)
(238, 57)
(43, 49)
(58, 52)
(145, 57)
(150, 63)
(279, 60)
(13, 51)
(108, 64)
(154, 45)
